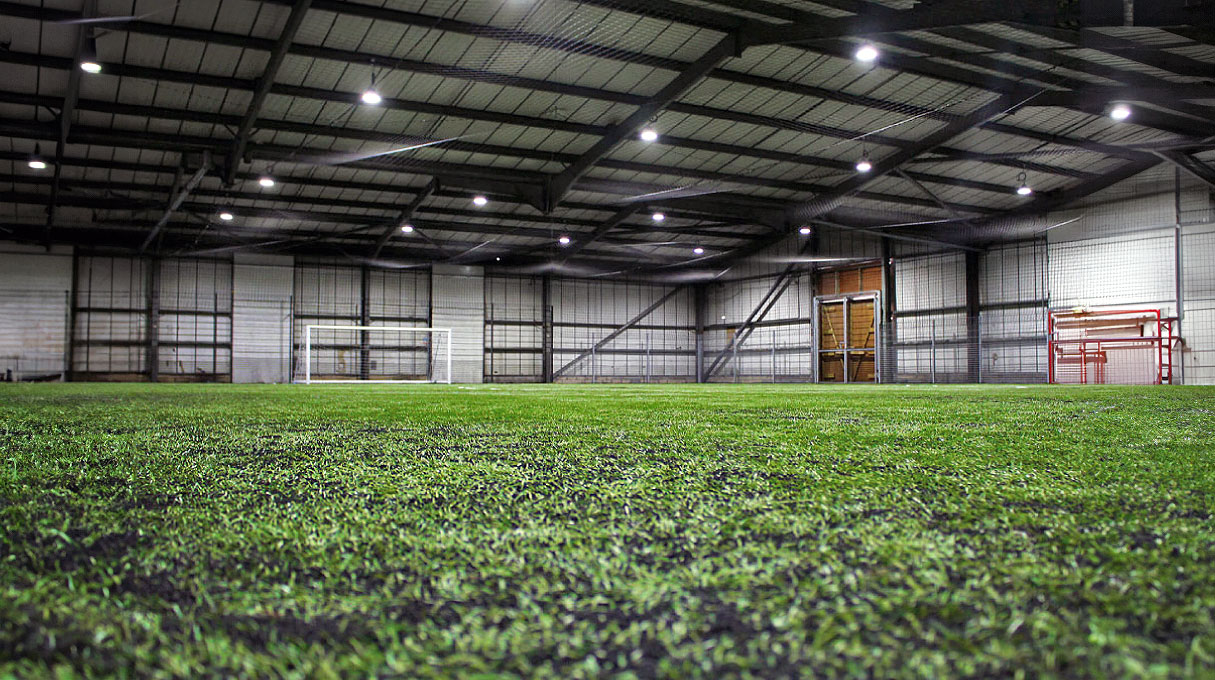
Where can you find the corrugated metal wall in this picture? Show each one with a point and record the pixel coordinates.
(1198, 326)
(262, 299)
(35, 289)
(1121, 250)
(458, 304)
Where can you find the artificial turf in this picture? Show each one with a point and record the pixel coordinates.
(589, 531)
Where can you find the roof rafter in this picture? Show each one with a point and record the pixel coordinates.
(803, 213)
(411, 19)
(560, 185)
(294, 20)
(431, 187)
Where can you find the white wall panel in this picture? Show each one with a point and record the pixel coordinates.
(34, 289)
(261, 314)
(458, 303)
(1114, 272)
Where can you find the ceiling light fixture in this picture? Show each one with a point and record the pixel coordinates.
(371, 96)
(266, 181)
(88, 57)
(1023, 188)
(864, 165)
(649, 134)
(698, 251)
(564, 240)
(407, 228)
(36, 161)
(804, 231)
(867, 54)
(226, 216)
(658, 217)
(1120, 112)
(480, 201)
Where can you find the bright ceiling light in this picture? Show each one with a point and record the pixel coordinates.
(480, 201)
(266, 181)
(564, 240)
(407, 228)
(804, 231)
(36, 162)
(1120, 112)
(371, 96)
(867, 54)
(658, 217)
(1023, 188)
(88, 58)
(226, 216)
(649, 135)
(698, 250)
(864, 164)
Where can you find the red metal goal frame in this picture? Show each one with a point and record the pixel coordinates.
(1094, 350)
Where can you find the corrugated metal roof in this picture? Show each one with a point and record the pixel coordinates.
(806, 115)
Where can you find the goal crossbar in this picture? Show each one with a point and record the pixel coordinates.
(445, 352)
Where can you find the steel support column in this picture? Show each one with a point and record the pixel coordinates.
(973, 358)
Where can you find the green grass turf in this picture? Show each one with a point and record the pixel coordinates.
(587, 531)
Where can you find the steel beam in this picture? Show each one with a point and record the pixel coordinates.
(264, 85)
(940, 14)
(67, 112)
(1191, 165)
(686, 79)
(759, 311)
(177, 200)
(803, 213)
(616, 333)
(405, 216)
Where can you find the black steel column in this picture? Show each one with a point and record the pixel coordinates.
(972, 317)
(699, 302)
(69, 338)
(364, 320)
(546, 330)
(153, 321)
(889, 357)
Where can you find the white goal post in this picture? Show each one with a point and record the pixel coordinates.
(377, 354)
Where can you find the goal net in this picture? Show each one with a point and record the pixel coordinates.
(1110, 347)
(385, 354)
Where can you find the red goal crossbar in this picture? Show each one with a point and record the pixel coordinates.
(1101, 347)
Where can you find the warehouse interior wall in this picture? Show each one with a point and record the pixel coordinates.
(945, 314)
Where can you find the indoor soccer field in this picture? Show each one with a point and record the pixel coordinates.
(589, 531)
(607, 339)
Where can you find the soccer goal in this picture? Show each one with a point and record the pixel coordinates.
(383, 354)
(1110, 347)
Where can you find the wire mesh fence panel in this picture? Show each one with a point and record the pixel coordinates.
(336, 353)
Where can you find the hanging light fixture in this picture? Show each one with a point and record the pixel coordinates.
(867, 53)
(1120, 112)
(864, 164)
(371, 96)
(804, 231)
(649, 134)
(266, 181)
(564, 240)
(1023, 188)
(480, 201)
(658, 217)
(227, 216)
(698, 251)
(88, 57)
(406, 228)
(36, 161)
